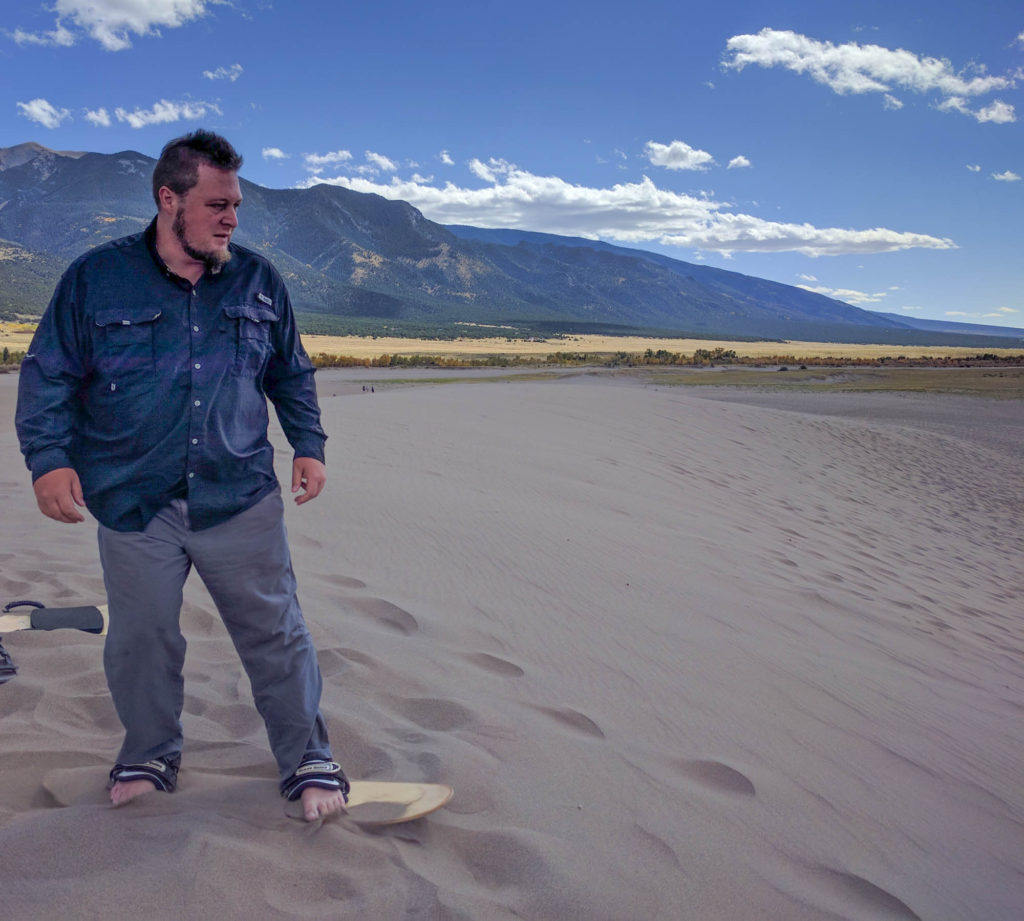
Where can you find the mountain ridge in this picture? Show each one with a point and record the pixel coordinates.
(347, 254)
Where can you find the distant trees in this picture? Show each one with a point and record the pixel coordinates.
(10, 361)
(621, 359)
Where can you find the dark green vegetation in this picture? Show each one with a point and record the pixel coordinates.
(362, 263)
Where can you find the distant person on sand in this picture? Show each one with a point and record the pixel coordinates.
(143, 397)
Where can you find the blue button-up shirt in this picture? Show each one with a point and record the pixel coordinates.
(152, 388)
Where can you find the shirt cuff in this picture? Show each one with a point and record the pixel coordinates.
(311, 447)
(45, 461)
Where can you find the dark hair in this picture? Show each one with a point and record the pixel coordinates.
(178, 166)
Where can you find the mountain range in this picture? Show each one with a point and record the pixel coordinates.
(348, 255)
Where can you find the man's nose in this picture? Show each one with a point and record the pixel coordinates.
(230, 216)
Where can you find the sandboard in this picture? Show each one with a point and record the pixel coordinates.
(370, 802)
(386, 802)
(89, 618)
(34, 616)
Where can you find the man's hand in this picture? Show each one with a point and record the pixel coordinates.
(309, 475)
(58, 493)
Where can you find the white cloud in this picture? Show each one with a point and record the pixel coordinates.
(98, 117)
(381, 163)
(891, 102)
(635, 212)
(231, 73)
(60, 37)
(43, 113)
(855, 68)
(999, 313)
(488, 172)
(739, 162)
(1008, 176)
(677, 155)
(316, 162)
(113, 22)
(805, 277)
(974, 167)
(849, 295)
(165, 111)
(1001, 113)
(274, 153)
(446, 158)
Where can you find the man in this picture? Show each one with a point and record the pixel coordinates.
(143, 398)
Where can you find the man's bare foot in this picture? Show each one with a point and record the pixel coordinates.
(318, 803)
(124, 791)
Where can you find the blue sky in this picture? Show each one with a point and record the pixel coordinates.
(870, 151)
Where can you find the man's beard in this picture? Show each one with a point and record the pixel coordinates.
(210, 259)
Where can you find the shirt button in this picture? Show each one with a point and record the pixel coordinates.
(191, 475)
(195, 441)
(197, 366)
(195, 329)
(198, 403)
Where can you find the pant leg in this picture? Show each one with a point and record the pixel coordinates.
(246, 566)
(144, 573)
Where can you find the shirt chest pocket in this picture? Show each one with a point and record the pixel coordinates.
(125, 348)
(250, 326)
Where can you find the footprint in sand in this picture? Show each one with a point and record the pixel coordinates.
(494, 665)
(386, 614)
(434, 713)
(500, 859)
(718, 777)
(336, 659)
(63, 713)
(573, 719)
(341, 581)
(875, 902)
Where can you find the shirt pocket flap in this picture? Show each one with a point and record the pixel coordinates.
(253, 312)
(126, 316)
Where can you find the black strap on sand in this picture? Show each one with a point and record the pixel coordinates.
(327, 775)
(87, 618)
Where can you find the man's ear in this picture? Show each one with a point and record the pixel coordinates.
(167, 199)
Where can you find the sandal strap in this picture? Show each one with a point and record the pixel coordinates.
(161, 772)
(327, 775)
(7, 667)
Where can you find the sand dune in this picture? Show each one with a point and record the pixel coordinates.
(680, 658)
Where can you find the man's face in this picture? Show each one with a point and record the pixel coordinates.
(207, 215)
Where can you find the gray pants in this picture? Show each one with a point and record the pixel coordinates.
(246, 566)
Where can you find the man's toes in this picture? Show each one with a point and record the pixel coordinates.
(125, 791)
(318, 804)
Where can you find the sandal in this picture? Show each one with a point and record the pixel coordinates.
(327, 775)
(161, 772)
